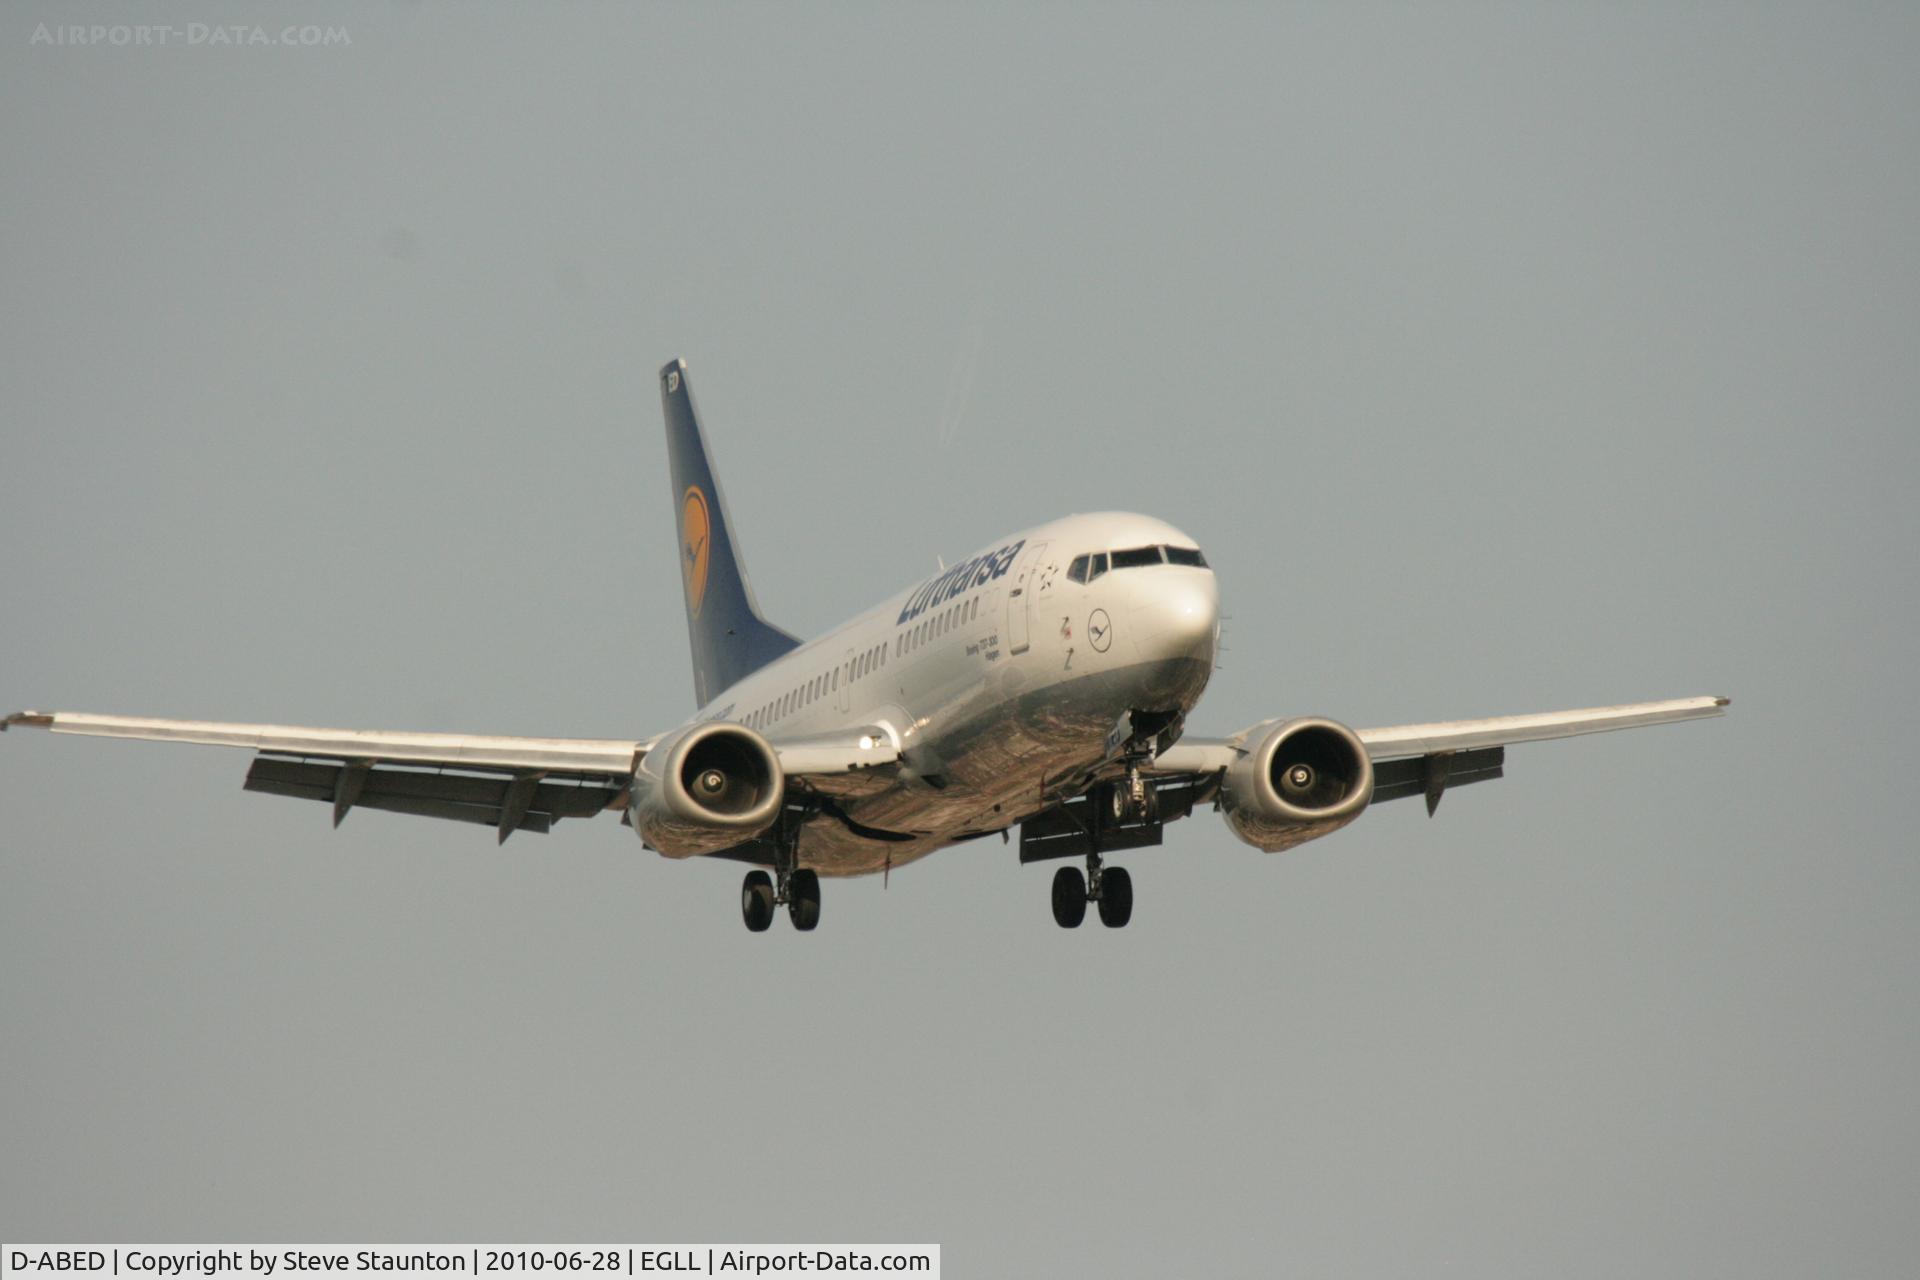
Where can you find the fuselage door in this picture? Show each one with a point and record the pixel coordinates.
(1020, 597)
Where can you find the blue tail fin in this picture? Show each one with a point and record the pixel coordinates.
(730, 639)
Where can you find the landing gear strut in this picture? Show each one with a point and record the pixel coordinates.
(796, 886)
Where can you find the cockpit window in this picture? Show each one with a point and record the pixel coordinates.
(1098, 567)
(1077, 571)
(1187, 556)
(1135, 557)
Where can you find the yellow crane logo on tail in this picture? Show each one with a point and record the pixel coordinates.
(695, 542)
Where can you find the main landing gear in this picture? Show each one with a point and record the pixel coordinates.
(791, 884)
(1109, 888)
(799, 890)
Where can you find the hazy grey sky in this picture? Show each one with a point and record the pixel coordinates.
(1501, 358)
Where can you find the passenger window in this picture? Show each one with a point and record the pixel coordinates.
(1077, 571)
(1189, 556)
(1136, 557)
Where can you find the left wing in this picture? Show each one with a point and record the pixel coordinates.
(508, 783)
(1425, 759)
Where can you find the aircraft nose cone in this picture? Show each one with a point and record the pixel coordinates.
(1183, 617)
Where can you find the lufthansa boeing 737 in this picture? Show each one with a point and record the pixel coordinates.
(1043, 682)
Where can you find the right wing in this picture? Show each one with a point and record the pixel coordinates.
(508, 783)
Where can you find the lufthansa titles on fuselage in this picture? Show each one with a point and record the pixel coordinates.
(959, 580)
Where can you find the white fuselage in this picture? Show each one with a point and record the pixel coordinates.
(1000, 682)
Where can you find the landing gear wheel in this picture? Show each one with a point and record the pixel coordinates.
(1116, 897)
(1125, 806)
(803, 899)
(756, 901)
(1069, 897)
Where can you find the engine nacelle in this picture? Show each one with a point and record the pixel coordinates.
(708, 787)
(1300, 780)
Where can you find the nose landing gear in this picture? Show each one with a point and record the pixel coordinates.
(1131, 800)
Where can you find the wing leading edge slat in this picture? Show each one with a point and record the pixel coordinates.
(1501, 731)
(590, 755)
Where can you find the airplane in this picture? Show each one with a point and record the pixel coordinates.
(1042, 682)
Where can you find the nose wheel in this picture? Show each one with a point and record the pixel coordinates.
(1131, 800)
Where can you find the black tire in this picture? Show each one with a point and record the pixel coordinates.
(803, 900)
(1116, 897)
(756, 901)
(1069, 897)
(1119, 804)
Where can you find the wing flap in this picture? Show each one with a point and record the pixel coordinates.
(462, 797)
(1432, 774)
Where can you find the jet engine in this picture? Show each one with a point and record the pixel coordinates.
(1299, 780)
(708, 787)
